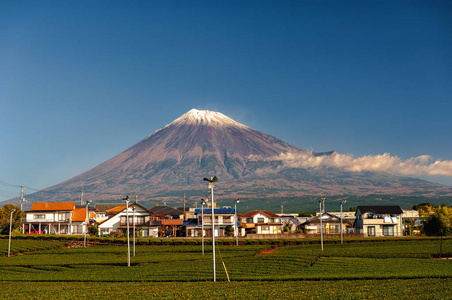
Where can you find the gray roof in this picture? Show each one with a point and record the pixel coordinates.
(166, 210)
(381, 209)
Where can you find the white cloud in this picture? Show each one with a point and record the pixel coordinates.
(420, 165)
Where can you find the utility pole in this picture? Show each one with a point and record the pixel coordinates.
(22, 199)
(81, 197)
(184, 209)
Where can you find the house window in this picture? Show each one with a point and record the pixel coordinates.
(371, 231)
(36, 216)
(63, 216)
(388, 230)
(260, 220)
(265, 228)
(249, 220)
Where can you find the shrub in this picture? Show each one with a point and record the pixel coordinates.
(155, 241)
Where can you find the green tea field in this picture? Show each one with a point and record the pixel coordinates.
(371, 269)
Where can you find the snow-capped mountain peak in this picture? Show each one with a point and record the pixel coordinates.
(206, 117)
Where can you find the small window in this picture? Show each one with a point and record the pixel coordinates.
(38, 216)
(260, 220)
(249, 220)
(371, 231)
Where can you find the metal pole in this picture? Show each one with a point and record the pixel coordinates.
(22, 200)
(86, 222)
(133, 230)
(342, 239)
(236, 226)
(10, 227)
(202, 226)
(128, 237)
(213, 233)
(81, 197)
(321, 226)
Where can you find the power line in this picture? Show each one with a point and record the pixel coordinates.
(36, 190)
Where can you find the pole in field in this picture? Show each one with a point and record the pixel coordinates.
(322, 207)
(10, 227)
(86, 222)
(211, 182)
(342, 202)
(236, 221)
(126, 199)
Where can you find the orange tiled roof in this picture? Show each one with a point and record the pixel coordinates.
(116, 209)
(172, 221)
(49, 206)
(79, 215)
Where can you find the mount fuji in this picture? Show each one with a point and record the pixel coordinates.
(174, 159)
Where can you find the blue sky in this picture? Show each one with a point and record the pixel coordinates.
(81, 81)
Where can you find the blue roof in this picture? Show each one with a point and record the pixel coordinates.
(216, 211)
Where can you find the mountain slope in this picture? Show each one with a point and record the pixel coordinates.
(175, 158)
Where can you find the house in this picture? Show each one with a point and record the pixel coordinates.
(331, 224)
(347, 216)
(292, 221)
(170, 219)
(55, 218)
(260, 222)
(224, 217)
(102, 209)
(139, 217)
(379, 220)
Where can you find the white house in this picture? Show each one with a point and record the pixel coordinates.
(138, 216)
(55, 218)
(379, 220)
(260, 222)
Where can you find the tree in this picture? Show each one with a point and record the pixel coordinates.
(425, 209)
(93, 230)
(440, 222)
(229, 230)
(5, 215)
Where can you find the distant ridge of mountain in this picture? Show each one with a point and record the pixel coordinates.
(174, 159)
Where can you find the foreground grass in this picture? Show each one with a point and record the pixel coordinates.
(373, 270)
(340, 289)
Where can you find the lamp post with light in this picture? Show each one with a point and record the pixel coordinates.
(235, 219)
(126, 199)
(86, 222)
(10, 227)
(211, 182)
(342, 202)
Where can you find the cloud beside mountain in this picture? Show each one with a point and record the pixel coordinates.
(420, 165)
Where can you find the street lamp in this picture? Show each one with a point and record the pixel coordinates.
(86, 222)
(126, 199)
(211, 181)
(204, 201)
(342, 202)
(133, 208)
(10, 227)
(235, 219)
(322, 205)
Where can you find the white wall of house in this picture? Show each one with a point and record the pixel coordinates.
(261, 218)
